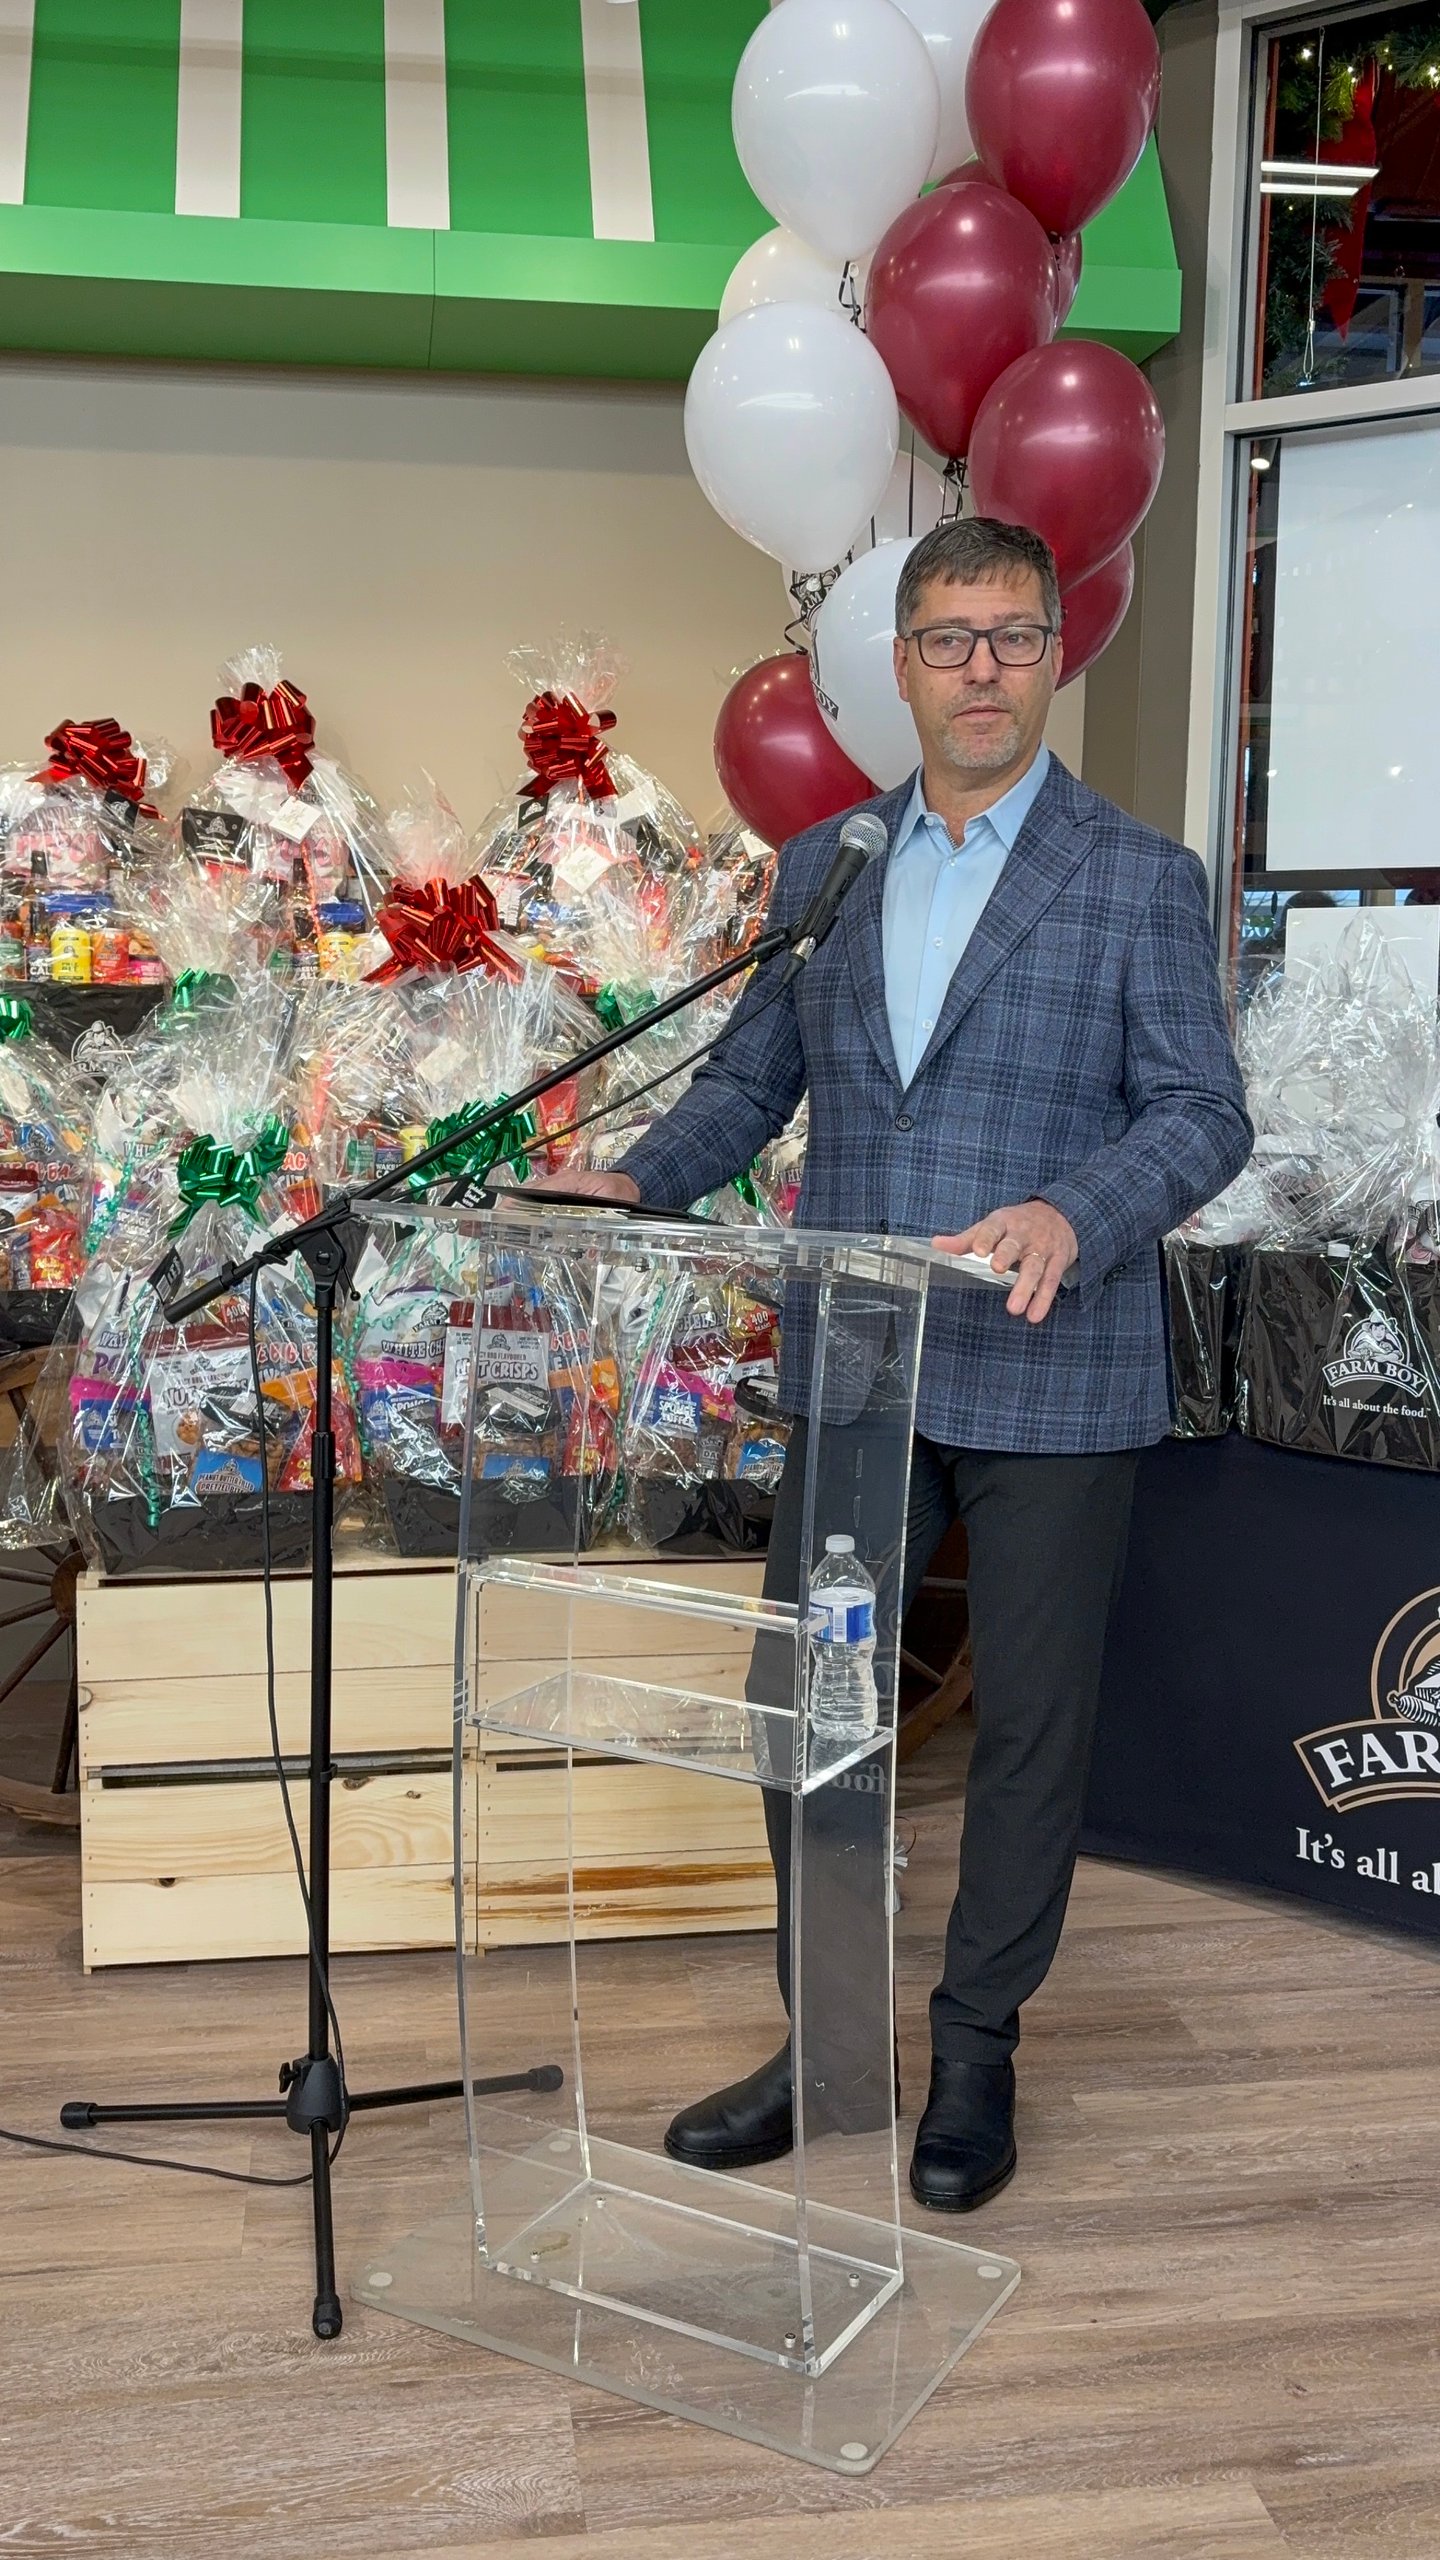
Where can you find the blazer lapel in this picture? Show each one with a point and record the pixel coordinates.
(1050, 847)
(862, 921)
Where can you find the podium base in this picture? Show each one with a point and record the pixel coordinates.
(641, 2277)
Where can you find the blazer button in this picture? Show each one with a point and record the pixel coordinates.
(904, 1120)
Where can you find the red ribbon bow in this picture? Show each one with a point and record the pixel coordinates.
(442, 925)
(561, 740)
(103, 752)
(279, 724)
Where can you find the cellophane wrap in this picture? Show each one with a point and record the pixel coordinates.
(45, 1135)
(74, 830)
(702, 1444)
(1340, 1328)
(584, 815)
(427, 1054)
(1342, 1076)
(164, 1452)
(300, 832)
(644, 942)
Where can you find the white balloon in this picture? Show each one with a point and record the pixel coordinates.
(835, 111)
(792, 428)
(853, 671)
(913, 504)
(949, 28)
(778, 267)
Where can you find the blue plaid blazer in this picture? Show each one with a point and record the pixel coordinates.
(1081, 1056)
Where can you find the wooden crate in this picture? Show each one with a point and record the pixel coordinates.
(184, 1852)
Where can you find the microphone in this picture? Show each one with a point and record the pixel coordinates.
(861, 838)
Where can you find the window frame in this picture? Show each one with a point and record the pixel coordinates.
(1230, 418)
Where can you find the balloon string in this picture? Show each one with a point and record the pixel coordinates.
(849, 295)
(952, 505)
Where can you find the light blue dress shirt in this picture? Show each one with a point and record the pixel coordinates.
(935, 895)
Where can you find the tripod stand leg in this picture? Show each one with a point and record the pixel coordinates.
(327, 2319)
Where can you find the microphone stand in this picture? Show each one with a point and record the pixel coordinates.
(314, 2099)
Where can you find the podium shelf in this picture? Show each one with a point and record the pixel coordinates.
(622, 1719)
(628, 1590)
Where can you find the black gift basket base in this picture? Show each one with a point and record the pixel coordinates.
(219, 1536)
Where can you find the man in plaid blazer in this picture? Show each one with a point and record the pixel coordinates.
(1013, 1041)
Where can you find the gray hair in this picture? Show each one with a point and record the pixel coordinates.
(970, 551)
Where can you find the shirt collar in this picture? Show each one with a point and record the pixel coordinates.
(1007, 815)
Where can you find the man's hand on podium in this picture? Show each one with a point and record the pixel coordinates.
(1032, 1240)
(590, 1186)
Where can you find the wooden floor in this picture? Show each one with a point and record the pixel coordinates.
(1226, 2343)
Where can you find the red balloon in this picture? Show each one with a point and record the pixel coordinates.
(962, 283)
(777, 762)
(970, 173)
(1094, 609)
(1070, 442)
(1060, 96)
(1068, 255)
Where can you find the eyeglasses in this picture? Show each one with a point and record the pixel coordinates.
(1012, 644)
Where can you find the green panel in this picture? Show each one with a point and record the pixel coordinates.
(103, 85)
(1129, 282)
(515, 85)
(597, 308)
(142, 284)
(690, 49)
(313, 131)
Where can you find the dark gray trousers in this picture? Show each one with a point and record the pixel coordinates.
(1047, 1546)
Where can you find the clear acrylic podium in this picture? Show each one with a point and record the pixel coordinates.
(625, 1391)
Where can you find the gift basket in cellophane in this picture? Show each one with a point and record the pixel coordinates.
(455, 1021)
(171, 1450)
(72, 833)
(701, 1441)
(45, 1137)
(298, 830)
(1333, 1224)
(45, 1124)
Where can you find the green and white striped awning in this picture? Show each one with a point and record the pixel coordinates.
(537, 185)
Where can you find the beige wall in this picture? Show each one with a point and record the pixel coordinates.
(394, 537)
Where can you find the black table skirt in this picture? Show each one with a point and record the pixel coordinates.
(1265, 1717)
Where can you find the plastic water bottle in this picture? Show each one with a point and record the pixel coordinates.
(843, 1704)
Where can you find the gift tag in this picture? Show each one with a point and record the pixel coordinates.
(294, 819)
(580, 866)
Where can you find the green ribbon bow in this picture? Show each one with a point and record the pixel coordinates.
(195, 987)
(229, 1177)
(17, 1020)
(470, 1159)
(617, 1005)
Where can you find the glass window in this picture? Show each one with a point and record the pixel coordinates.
(1338, 676)
(1348, 273)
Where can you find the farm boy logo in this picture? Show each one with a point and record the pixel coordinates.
(1374, 1356)
(1396, 1751)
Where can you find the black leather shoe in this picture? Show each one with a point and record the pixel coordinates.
(751, 2121)
(965, 2140)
